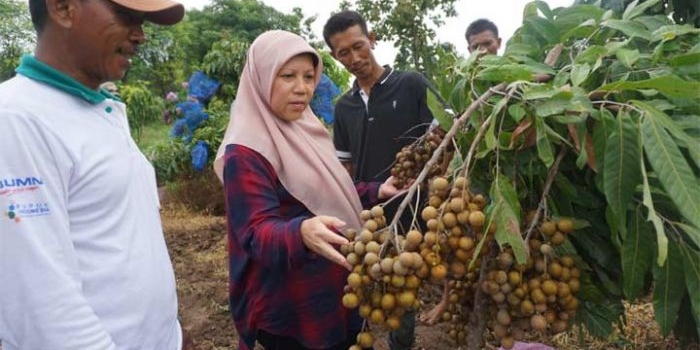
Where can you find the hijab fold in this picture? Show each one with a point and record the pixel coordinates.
(300, 151)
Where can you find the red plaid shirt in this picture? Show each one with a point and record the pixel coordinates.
(276, 283)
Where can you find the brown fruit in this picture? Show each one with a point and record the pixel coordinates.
(377, 211)
(365, 215)
(565, 225)
(548, 228)
(438, 272)
(365, 340)
(439, 184)
(503, 317)
(428, 213)
(538, 323)
(365, 310)
(558, 238)
(477, 218)
(351, 300)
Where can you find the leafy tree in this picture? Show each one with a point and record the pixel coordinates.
(16, 35)
(604, 137)
(682, 11)
(410, 25)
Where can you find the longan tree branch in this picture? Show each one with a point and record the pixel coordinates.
(545, 192)
(477, 319)
(441, 148)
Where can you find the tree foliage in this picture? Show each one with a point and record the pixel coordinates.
(16, 35)
(622, 105)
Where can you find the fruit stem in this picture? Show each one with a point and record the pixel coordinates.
(443, 145)
(545, 192)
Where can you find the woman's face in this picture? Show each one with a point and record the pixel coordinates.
(293, 87)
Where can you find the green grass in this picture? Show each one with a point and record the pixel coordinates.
(151, 135)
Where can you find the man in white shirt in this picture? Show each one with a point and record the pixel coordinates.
(83, 261)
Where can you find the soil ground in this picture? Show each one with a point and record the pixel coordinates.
(197, 246)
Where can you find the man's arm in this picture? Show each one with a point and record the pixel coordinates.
(41, 300)
(341, 142)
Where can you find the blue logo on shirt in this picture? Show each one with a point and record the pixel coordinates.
(17, 211)
(16, 185)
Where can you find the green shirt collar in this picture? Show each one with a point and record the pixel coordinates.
(34, 69)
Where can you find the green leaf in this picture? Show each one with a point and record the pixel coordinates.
(544, 147)
(505, 212)
(634, 9)
(544, 28)
(672, 169)
(629, 28)
(579, 73)
(653, 217)
(692, 232)
(670, 32)
(669, 287)
(691, 267)
(686, 64)
(517, 112)
(591, 54)
(437, 108)
(637, 254)
(505, 73)
(669, 85)
(674, 127)
(621, 170)
(628, 57)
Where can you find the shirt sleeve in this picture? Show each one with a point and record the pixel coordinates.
(41, 302)
(254, 211)
(341, 138)
(368, 192)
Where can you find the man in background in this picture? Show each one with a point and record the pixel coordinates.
(482, 34)
(384, 110)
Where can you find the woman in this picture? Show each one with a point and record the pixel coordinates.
(287, 196)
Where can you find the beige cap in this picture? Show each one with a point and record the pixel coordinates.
(165, 12)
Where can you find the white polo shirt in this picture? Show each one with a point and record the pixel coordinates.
(83, 261)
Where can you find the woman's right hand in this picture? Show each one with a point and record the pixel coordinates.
(317, 235)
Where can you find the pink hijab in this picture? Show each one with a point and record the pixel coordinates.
(301, 151)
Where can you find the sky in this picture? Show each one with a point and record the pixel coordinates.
(506, 14)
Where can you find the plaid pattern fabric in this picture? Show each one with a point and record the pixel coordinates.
(275, 282)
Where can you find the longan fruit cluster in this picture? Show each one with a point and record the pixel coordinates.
(538, 296)
(412, 158)
(383, 284)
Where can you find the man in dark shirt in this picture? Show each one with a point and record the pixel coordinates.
(482, 34)
(384, 111)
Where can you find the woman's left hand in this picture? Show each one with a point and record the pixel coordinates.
(388, 189)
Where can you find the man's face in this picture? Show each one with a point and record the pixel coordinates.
(485, 40)
(353, 49)
(105, 36)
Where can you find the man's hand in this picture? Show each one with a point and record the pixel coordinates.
(388, 189)
(317, 235)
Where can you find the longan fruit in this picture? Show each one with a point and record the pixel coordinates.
(351, 300)
(477, 218)
(565, 225)
(558, 238)
(365, 340)
(548, 228)
(428, 213)
(365, 215)
(377, 211)
(538, 323)
(414, 237)
(439, 184)
(438, 272)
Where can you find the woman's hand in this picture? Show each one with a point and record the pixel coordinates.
(388, 188)
(317, 235)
